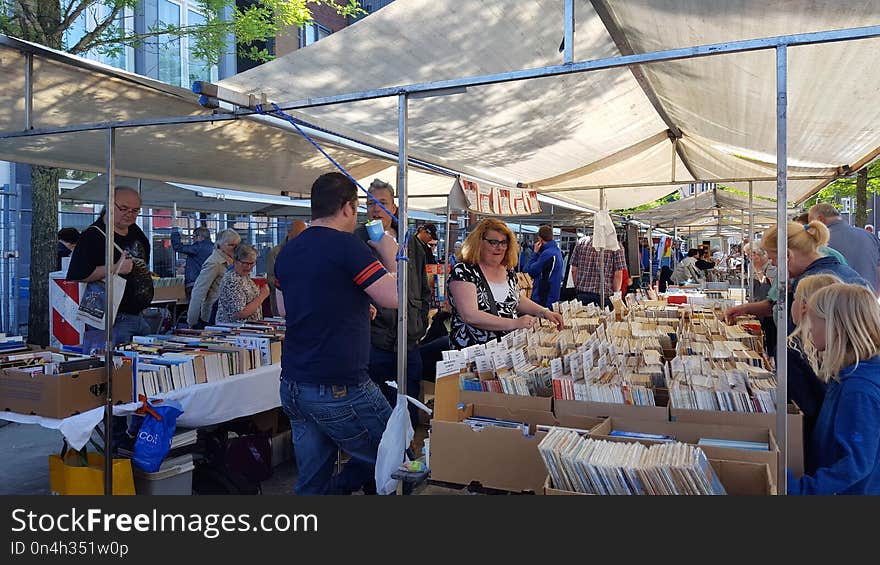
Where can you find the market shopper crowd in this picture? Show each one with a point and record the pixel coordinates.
(338, 288)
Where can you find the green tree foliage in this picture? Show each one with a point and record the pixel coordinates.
(59, 24)
(47, 21)
(846, 187)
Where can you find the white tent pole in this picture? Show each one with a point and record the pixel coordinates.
(108, 309)
(28, 91)
(782, 264)
(650, 258)
(402, 165)
(673, 255)
(674, 148)
(448, 245)
(601, 254)
(568, 42)
(751, 239)
(742, 252)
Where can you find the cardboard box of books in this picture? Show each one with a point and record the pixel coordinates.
(565, 408)
(513, 402)
(734, 443)
(795, 427)
(62, 395)
(495, 446)
(739, 478)
(447, 398)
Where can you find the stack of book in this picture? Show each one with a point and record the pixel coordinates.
(696, 383)
(190, 357)
(11, 344)
(45, 362)
(589, 466)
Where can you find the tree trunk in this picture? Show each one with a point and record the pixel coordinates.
(44, 243)
(862, 198)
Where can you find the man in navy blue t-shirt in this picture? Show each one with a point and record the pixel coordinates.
(328, 278)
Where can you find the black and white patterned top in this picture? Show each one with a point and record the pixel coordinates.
(462, 335)
(236, 292)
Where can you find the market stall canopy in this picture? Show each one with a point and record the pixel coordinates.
(157, 194)
(250, 154)
(637, 131)
(708, 209)
(603, 128)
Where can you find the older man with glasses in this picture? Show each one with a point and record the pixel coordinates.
(132, 257)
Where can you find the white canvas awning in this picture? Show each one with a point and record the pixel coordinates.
(602, 128)
(566, 135)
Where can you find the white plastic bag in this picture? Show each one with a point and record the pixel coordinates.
(396, 438)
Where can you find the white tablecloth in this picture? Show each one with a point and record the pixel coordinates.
(203, 405)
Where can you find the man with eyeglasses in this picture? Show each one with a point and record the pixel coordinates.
(383, 328)
(132, 256)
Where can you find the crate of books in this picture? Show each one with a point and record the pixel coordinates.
(57, 385)
(494, 446)
(577, 464)
(735, 443)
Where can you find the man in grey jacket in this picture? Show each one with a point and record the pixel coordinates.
(861, 248)
(383, 329)
(207, 285)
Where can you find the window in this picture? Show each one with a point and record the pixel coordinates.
(311, 33)
(177, 63)
(170, 53)
(87, 21)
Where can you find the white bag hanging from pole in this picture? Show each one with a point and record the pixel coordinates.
(395, 440)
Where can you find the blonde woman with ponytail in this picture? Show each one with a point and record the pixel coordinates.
(804, 259)
(844, 330)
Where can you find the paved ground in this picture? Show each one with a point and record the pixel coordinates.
(24, 452)
(24, 468)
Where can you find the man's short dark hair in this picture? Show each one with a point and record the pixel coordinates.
(70, 235)
(330, 192)
(693, 252)
(545, 232)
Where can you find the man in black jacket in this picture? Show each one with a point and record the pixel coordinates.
(383, 329)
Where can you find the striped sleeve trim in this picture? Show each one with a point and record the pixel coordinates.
(369, 273)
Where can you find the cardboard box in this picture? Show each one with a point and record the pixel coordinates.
(60, 396)
(512, 401)
(795, 427)
(498, 458)
(565, 408)
(739, 479)
(448, 397)
(692, 432)
(169, 293)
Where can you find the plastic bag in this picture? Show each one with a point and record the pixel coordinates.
(396, 438)
(154, 438)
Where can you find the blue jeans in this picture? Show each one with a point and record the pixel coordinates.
(588, 298)
(383, 367)
(324, 418)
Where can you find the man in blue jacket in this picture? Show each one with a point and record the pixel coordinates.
(545, 268)
(196, 254)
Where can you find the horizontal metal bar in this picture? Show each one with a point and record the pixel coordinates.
(98, 126)
(683, 183)
(599, 64)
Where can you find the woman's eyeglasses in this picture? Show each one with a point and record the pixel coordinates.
(496, 243)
